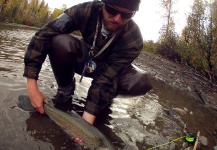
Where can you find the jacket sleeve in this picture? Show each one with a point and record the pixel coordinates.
(104, 85)
(39, 45)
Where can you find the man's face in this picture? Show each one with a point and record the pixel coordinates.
(115, 17)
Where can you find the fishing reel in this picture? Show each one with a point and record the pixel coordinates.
(190, 137)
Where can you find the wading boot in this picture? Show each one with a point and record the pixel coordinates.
(64, 95)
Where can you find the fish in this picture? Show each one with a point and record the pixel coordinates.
(73, 124)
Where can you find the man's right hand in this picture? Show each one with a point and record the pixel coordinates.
(36, 96)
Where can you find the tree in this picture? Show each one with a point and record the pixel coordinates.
(199, 37)
(150, 46)
(168, 41)
(55, 14)
(3, 4)
(42, 13)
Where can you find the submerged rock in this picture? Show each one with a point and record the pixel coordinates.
(180, 111)
(203, 140)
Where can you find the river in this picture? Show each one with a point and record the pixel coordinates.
(137, 123)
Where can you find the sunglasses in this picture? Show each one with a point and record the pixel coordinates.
(113, 11)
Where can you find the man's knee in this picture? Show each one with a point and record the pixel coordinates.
(65, 43)
(68, 49)
(133, 82)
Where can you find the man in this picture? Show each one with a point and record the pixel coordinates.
(111, 41)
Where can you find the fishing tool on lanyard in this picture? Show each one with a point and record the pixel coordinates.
(90, 65)
(190, 137)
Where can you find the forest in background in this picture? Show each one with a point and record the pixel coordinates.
(29, 12)
(197, 44)
(195, 47)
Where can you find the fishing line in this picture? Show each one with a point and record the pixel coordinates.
(189, 137)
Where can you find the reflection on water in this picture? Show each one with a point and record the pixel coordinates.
(130, 123)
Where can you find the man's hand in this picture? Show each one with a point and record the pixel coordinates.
(36, 97)
(90, 119)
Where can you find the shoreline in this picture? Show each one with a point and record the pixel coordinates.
(179, 76)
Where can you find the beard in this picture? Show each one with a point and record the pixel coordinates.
(111, 26)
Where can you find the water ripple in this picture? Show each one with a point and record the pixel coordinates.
(138, 122)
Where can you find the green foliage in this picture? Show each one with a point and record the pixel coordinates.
(150, 46)
(197, 44)
(55, 13)
(168, 41)
(28, 12)
(168, 48)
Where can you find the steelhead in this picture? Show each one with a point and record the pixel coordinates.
(73, 124)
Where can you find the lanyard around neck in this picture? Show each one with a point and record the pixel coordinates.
(93, 46)
(95, 36)
(94, 42)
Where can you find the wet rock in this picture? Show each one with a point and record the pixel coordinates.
(191, 113)
(175, 111)
(185, 145)
(174, 115)
(169, 112)
(203, 140)
(185, 109)
(180, 111)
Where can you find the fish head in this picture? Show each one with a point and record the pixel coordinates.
(24, 103)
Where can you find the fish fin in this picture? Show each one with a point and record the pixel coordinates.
(73, 113)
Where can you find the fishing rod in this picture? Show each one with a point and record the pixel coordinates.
(190, 137)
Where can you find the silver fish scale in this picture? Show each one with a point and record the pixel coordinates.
(76, 126)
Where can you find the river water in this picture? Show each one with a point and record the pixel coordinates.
(140, 122)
